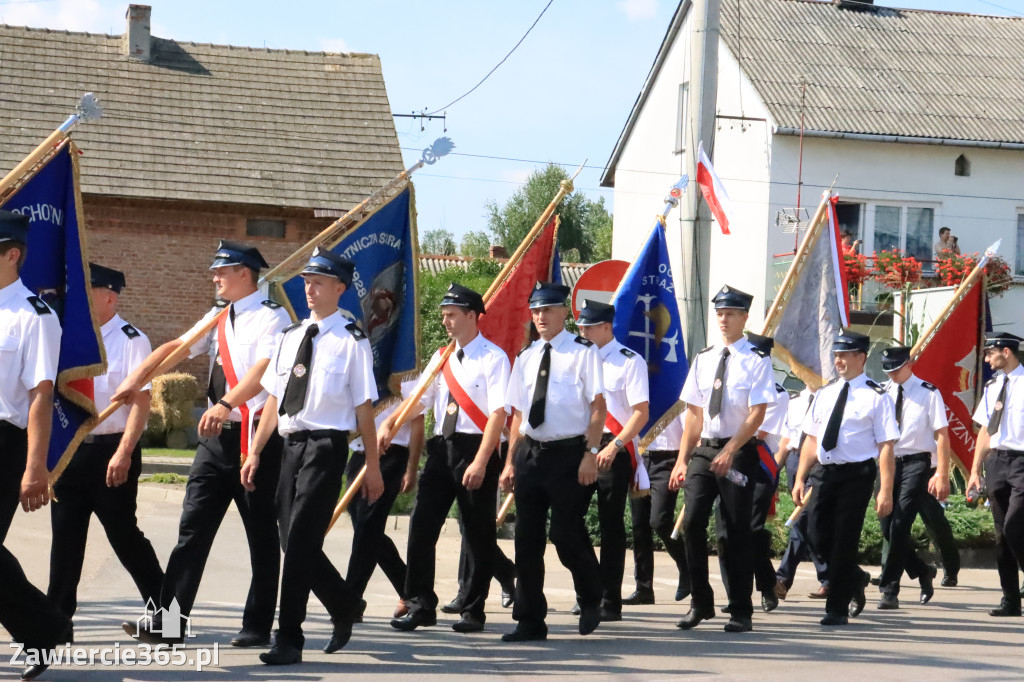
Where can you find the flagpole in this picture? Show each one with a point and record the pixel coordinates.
(337, 230)
(88, 109)
(404, 411)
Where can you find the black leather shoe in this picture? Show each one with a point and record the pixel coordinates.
(1005, 609)
(769, 602)
(694, 616)
(835, 619)
(360, 610)
(468, 623)
(610, 616)
(949, 580)
(525, 634)
(34, 671)
(876, 581)
(575, 610)
(639, 598)
(282, 654)
(888, 602)
(683, 588)
(339, 638)
(414, 620)
(739, 624)
(928, 585)
(727, 609)
(860, 599)
(245, 639)
(590, 618)
(453, 607)
(508, 597)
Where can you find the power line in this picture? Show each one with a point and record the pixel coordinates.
(499, 63)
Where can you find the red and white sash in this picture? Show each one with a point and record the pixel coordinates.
(466, 404)
(641, 481)
(226, 335)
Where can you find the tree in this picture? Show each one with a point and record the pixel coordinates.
(475, 244)
(584, 225)
(438, 242)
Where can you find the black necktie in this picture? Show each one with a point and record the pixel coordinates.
(218, 382)
(899, 408)
(836, 420)
(997, 411)
(295, 390)
(451, 413)
(540, 392)
(718, 390)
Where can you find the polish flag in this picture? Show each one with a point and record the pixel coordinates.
(713, 190)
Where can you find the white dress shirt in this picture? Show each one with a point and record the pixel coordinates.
(405, 433)
(869, 420)
(670, 437)
(482, 373)
(924, 413)
(29, 350)
(126, 348)
(625, 380)
(340, 376)
(1010, 435)
(749, 381)
(775, 415)
(253, 337)
(576, 379)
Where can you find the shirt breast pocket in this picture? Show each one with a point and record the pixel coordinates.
(615, 381)
(564, 386)
(8, 347)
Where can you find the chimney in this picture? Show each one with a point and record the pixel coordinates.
(136, 38)
(498, 251)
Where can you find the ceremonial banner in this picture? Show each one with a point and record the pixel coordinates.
(382, 297)
(953, 360)
(57, 270)
(713, 190)
(817, 306)
(647, 321)
(507, 321)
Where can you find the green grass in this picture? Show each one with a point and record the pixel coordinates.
(172, 479)
(167, 452)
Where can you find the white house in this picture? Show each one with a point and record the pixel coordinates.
(918, 117)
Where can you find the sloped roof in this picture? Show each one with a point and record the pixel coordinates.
(881, 71)
(203, 122)
(435, 264)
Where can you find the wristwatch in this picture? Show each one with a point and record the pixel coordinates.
(594, 450)
(619, 443)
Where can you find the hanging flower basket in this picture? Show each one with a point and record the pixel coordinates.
(896, 270)
(856, 266)
(952, 268)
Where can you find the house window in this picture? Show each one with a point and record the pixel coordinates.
(259, 227)
(1019, 269)
(910, 229)
(851, 219)
(962, 166)
(682, 117)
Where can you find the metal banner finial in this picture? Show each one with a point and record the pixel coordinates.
(441, 147)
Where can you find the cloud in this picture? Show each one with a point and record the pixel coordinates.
(70, 15)
(639, 9)
(334, 45)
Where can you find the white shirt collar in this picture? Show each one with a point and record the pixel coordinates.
(328, 322)
(110, 325)
(249, 302)
(473, 346)
(11, 290)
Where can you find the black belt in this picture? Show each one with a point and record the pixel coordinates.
(575, 441)
(846, 465)
(916, 457)
(658, 454)
(230, 425)
(719, 443)
(1008, 452)
(103, 438)
(299, 436)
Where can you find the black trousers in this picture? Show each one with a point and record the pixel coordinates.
(213, 483)
(371, 547)
(25, 612)
(656, 512)
(933, 515)
(761, 537)
(440, 485)
(612, 490)
(311, 471)
(547, 479)
(504, 568)
(1004, 477)
(81, 492)
(843, 496)
(800, 547)
(702, 488)
(910, 488)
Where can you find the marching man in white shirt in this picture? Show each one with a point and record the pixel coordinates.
(921, 418)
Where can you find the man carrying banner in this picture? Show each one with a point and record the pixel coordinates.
(727, 392)
(626, 396)
(31, 343)
(1000, 449)
(924, 435)
(556, 395)
(103, 476)
(468, 399)
(240, 348)
(656, 512)
(851, 423)
(321, 386)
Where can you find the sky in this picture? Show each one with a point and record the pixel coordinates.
(563, 96)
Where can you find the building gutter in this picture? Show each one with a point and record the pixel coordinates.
(902, 139)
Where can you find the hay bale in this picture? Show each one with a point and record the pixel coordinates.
(172, 399)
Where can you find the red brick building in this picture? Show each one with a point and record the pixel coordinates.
(198, 142)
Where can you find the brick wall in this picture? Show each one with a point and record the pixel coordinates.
(165, 249)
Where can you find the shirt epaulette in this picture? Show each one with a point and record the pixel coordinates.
(877, 389)
(779, 388)
(991, 381)
(40, 307)
(759, 352)
(130, 331)
(523, 349)
(930, 387)
(293, 325)
(271, 304)
(582, 341)
(354, 329)
(627, 352)
(705, 350)
(829, 383)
